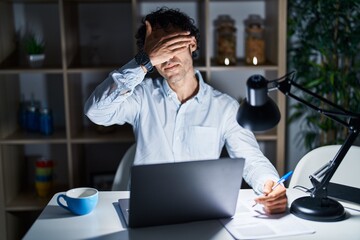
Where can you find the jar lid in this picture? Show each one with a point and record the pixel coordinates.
(31, 108)
(225, 20)
(45, 110)
(254, 19)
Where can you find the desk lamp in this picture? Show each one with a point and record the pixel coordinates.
(258, 112)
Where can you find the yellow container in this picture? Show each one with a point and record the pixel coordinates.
(43, 188)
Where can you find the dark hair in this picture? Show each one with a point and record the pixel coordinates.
(164, 18)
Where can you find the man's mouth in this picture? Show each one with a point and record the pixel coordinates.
(171, 66)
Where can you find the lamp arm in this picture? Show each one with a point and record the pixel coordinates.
(321, 178)
(285, 87)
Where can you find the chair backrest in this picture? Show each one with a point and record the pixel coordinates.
(347, 173)
(122, 176)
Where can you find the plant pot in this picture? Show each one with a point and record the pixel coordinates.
(36, 60)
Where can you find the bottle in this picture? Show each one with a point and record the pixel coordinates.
(32, 116)
(254, 40)
(225, 40)
(46, 121)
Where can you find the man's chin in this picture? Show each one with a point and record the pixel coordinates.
(173, 80)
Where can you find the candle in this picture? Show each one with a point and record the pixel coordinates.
(255, 61)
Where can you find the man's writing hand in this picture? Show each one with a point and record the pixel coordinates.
(274, 201)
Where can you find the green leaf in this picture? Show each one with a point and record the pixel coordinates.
(324, 49)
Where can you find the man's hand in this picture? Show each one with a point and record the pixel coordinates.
(274, 201)
(162, 46)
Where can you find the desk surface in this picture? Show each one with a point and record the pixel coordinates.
(105, 223)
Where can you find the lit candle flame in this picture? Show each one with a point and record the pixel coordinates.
(255, 61)
(226, 61)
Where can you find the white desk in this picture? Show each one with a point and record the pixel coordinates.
(105, 222)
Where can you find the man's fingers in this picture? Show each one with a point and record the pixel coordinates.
(162, 47)
(273, 200)
(277, 193)
(177, 34)
(276, 206)
(268, 186)
(177, 40)
(275, 210)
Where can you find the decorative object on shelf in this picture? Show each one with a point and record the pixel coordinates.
(43, 176)
(258, 106)
(225, 40)
(254, 40)
(34, 48)
(46, 121)
(32, 117)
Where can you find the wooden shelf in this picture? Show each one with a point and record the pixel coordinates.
(270, 135)
(118, 135)
(22, 137)
(29, 200)
(73, 30)
(15, 64)
(240, 65)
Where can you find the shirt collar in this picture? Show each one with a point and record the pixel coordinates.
(199, 96)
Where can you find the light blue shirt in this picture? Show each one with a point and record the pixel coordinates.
(167, 130)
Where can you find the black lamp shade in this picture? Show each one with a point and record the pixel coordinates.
(258, 118)
(258, 112)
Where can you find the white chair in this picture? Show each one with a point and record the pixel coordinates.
(347, 173)
(122, 176)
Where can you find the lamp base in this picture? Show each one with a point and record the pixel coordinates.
(318, 209)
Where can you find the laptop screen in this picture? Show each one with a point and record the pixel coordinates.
(185, 191)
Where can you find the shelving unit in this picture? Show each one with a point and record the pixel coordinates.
(85, 40)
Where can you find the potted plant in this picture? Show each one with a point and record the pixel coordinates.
(324, 49)
(34, 48)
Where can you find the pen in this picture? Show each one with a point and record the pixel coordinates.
(281, 180)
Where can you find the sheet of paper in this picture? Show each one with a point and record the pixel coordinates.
(254, 223)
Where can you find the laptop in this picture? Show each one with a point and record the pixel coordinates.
(171, 193)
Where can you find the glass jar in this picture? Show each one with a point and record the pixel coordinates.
(254, 40)
(32, 118)
(225, 40)
(46, 121)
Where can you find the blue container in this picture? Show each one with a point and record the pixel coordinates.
(32, 119)
(46, 121)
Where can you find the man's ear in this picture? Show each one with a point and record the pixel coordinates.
(193, 46)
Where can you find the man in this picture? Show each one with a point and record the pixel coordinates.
(178, 117)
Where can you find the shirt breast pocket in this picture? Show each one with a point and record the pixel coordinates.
(203, 142)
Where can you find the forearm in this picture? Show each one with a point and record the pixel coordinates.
(103, 103)
(258, 171)
(258, 168)
(241, 142)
